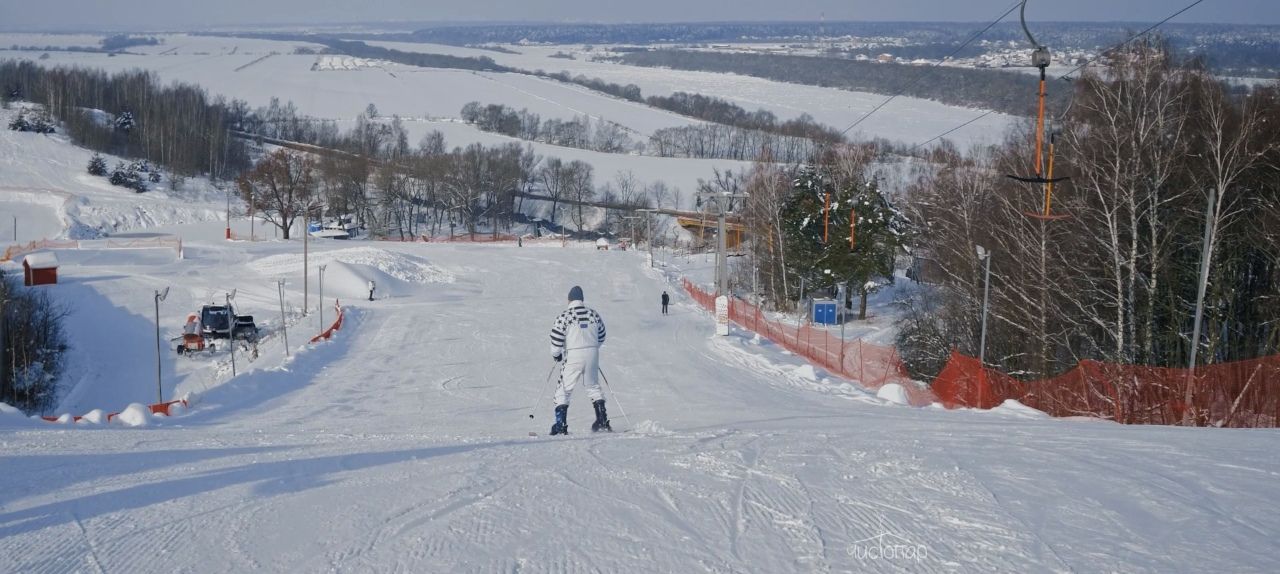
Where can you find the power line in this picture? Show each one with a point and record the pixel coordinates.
(1076, 69)
(924, 73)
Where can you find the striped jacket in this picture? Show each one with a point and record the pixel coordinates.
(578, 327)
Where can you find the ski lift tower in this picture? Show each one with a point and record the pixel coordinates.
(648, 230)
(722, 203)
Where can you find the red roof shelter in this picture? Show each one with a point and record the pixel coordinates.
(40, 269)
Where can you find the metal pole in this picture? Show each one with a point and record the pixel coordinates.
(648, 234)
(537, 399)
(614, 396)
(986, 291)
(306, 277)
(284, 325)
(722, 260)
(1205, 256)
(228, 214)
(3, 373)
(232, 333)
(159, 387)
(322, 297)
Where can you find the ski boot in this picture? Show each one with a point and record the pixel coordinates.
(602, 418)
(561, 425)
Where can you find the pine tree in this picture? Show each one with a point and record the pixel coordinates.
(97, 166)
(124, 122)
(20, 123)
(847, 234)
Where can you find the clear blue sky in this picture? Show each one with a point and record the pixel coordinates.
(170, 14)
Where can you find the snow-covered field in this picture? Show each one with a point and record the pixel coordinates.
(907, 120)
(430, 99)
(403, 444)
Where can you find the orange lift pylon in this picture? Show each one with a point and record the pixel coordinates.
(1040, 58)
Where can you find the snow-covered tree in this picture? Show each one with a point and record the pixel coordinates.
(124, 122)
(841, 234)
(97, 165)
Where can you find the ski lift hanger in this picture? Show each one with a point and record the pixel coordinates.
(1040, 58)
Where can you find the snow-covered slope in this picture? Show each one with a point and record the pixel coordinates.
(43, 181)
(401, 446)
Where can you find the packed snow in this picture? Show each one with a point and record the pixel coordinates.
(402, 446)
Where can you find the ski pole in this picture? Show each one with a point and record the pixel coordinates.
(537, 400)
(615, 399)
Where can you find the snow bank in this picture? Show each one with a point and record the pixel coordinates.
(134, 415)
(806, 372)
(894, 393)
(1014, 408)
(10, 416)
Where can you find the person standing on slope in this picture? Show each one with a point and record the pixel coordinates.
(576, 337)
(666, 299)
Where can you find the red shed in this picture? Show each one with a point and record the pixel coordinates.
(40, 269)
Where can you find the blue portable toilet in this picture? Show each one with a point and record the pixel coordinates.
(824, 311)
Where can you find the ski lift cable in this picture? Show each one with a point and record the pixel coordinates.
(1149, 29)
(925, 72)
(1066, 75)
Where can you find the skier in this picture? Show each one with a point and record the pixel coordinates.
(665, 300)
(576, 337)
(371, 287)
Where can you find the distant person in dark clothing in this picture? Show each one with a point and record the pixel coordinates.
(666, 299)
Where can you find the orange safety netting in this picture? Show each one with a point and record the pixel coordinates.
(872, 365)
(337, 325)
(1237, 394)
(157, 408)
(15, 251)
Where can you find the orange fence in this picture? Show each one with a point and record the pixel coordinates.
(1238, 394)
(460, 238)
(337, 325)
(164, 241)
(158, 408)
(15, 251)
(871, 365)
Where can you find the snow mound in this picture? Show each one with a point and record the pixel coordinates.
(894, 393)
(806, 372)
(10, 416)
(95, 416)
(1019, 410)
(406, 268)
(650, 428)
(134, 415)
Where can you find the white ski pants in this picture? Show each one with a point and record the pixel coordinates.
(580, 365)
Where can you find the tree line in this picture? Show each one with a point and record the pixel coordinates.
(580, 132)
(371, 173)
(33, 346)
(134, 114)
(1173, 189)
(1006, 92)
